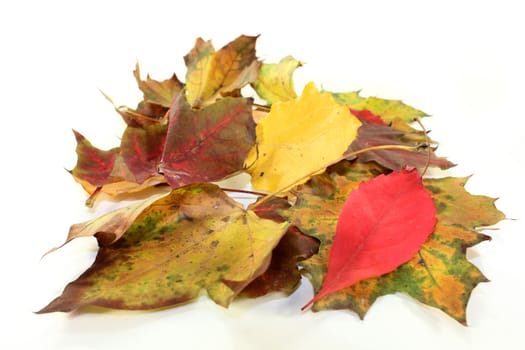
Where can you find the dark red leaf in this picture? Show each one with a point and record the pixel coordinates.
(382, 224)
(93, 165)
(142, 149)
(208, 144)
(283, 275)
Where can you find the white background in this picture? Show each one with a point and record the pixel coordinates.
(462, 62)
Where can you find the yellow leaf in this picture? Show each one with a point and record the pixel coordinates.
(214, 73)
(298, 137)
(275, 82)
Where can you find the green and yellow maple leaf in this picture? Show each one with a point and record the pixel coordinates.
(195, 238)
(439, 275)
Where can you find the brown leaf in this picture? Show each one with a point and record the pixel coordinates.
(158, 92)
(370, 135)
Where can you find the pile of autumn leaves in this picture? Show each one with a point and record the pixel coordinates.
(340, 198)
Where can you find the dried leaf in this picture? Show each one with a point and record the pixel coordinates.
(275, 83)
(298, 137)
(207, 144)
(195, 238)
(212, 74)
(158, 92)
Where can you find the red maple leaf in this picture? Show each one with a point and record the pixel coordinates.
(207, 144)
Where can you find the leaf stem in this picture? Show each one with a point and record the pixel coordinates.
(427, 141)
(343, 157)
(262, 107)
(260, 194)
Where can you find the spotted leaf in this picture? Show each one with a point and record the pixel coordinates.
(196, 238)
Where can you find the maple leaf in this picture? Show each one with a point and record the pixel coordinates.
(158, 92)
(297, 137)
(382, 224)
(207, 144)
(274, 82)
(370, 135)
(388, 110)
(439, 275)
(212, 74)
(195, 238)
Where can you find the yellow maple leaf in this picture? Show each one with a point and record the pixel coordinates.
(298, 137)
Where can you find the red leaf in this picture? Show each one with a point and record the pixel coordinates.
(208, 144)
(368, 117)
(382, 224)
(93, 165)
